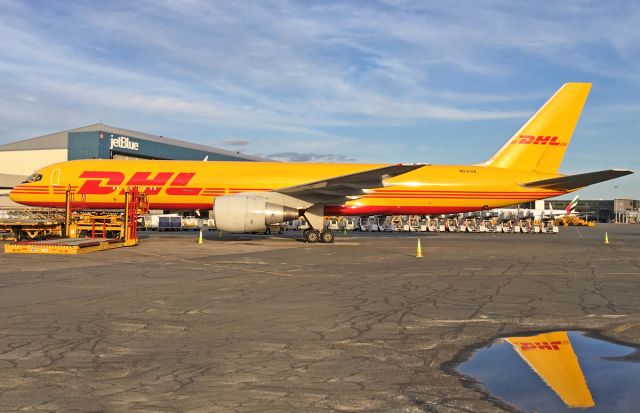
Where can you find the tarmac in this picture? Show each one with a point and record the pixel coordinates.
(260, 324)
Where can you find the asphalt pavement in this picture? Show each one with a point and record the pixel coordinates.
(255, 323)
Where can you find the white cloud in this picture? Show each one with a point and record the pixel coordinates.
(308, 76)
(262, 71)
(235, 142)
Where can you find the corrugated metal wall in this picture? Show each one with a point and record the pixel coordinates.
(101, 145)
(87, 145)
(25, 157)
(26, 162)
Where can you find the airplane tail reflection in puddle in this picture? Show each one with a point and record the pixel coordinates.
(558, 372)
(552, 357)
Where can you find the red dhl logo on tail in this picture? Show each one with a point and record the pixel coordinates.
(107, 182)
(538, 140)
(541, 345)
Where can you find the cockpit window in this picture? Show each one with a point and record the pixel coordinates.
(35, 177)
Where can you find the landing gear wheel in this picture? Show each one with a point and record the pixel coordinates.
(312, 236)
(267, 231)
(327, 237)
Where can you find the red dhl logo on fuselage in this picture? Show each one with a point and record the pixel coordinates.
(108, 182)
(538, 140)
(541, 345)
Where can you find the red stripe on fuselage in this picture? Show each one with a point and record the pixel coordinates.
(397, 210)
(120, 205)
(328, 210)
(449, 196)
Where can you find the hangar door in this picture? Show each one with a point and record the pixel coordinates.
(116, 155)
(127, 156)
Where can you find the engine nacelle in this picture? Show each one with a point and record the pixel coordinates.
(246, 213)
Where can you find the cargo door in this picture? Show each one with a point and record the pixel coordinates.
(55, 177)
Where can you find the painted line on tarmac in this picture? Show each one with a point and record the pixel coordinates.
(624, 327)
(228, 267)
(464, 321)
(219, 265)
(620, 273)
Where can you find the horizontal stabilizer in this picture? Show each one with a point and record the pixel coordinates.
(571, 182)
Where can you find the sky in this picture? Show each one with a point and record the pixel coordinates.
(387, 81)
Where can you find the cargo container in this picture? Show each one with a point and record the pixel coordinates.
(169, 222)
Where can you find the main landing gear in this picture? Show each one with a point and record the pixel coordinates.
(313, 235)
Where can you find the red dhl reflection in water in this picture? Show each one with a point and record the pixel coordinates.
(552, 357)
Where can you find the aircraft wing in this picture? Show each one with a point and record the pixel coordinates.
(571, 182)
(341, 188)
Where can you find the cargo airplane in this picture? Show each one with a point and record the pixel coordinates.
(249, 196)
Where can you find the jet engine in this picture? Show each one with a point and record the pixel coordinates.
(247, 213)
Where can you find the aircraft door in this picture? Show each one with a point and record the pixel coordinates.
(55, 177)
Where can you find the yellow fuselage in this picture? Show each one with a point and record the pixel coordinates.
(184, 185)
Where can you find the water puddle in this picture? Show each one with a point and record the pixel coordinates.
(559, 371)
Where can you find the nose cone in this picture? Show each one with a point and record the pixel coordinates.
(20, 194)
(15, 196)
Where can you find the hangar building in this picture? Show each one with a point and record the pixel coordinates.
(600, 210)
(99, 141)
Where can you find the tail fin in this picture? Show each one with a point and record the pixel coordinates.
(572, 205)
(540, 144)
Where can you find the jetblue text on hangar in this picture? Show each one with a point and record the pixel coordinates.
(123, 142)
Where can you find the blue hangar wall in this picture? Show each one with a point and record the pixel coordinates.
(104, 145)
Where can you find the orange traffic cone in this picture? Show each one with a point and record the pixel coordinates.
(419, 250)
(606, 238)
(200, 237)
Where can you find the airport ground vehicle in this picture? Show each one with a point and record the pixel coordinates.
(148, 222)
(274, 228)
(191, 223)
(209, 223)
(30, 223)
(251, 196)
(333, 224)
(74, 232)
(347, 224)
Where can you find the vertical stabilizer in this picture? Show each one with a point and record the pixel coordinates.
(540, 144)
(552, 357)
(572, 205)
